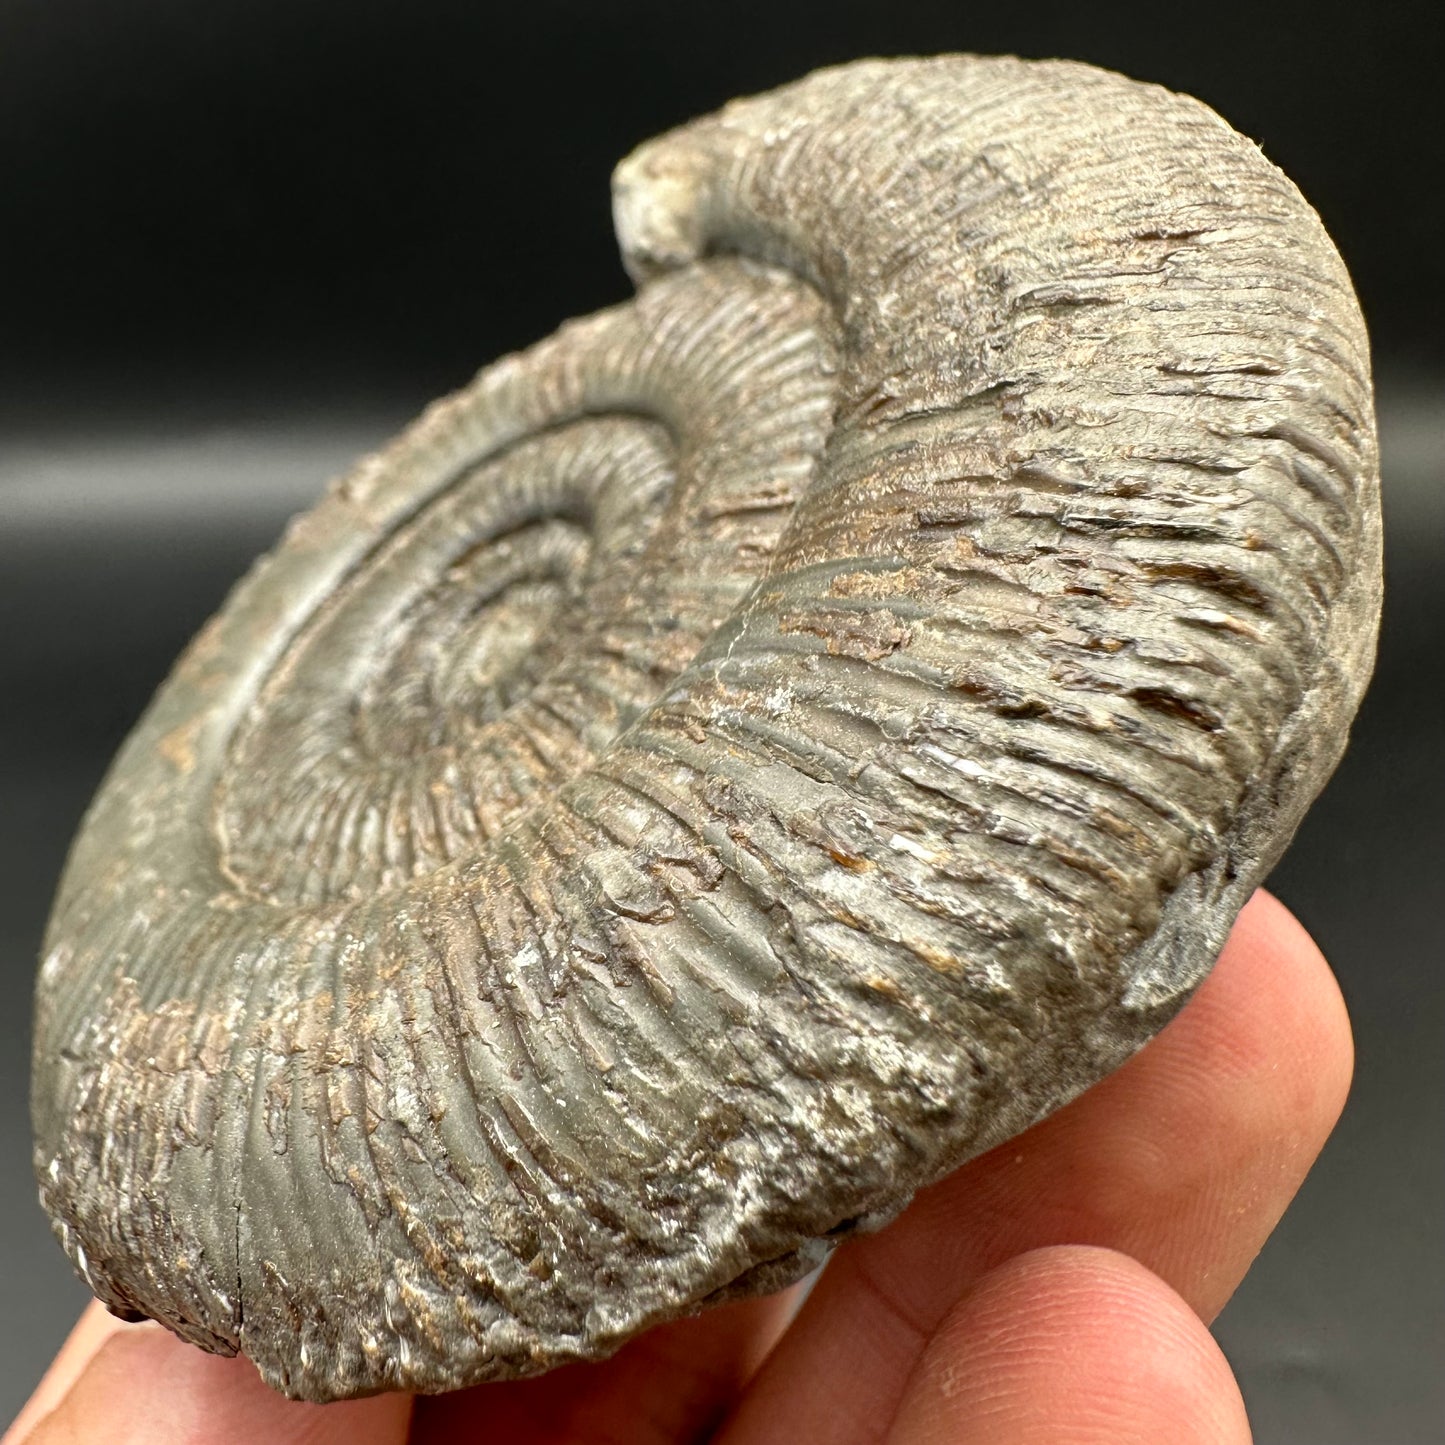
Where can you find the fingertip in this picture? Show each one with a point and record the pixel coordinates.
(1269, 946)
(95, 1325)
(1269, 1029)
(143, 1386)
(1253, 1074)
(1077, 1343)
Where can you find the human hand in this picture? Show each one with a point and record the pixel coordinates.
(1058, 1288)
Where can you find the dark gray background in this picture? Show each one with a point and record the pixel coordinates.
(245, 240)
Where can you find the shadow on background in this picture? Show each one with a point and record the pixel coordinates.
(244, 242)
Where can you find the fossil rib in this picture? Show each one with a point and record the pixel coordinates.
(736, 760)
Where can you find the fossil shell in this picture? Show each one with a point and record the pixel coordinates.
(736, 760)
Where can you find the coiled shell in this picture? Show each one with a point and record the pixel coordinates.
(736, 760)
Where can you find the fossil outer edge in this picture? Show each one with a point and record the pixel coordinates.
(737, 760)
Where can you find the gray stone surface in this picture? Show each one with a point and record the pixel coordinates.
(736, 760)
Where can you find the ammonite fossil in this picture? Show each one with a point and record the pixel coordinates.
(736, 760)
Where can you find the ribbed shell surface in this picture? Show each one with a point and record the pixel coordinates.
(736, 760)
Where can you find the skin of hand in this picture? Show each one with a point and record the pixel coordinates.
(1058, 1288)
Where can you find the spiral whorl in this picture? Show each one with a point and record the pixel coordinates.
(737, 759)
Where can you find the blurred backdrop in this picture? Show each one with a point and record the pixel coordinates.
(241, 242)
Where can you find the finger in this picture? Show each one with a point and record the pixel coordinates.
(1184, 1159)
(94, 1327)
(672, 1384)
(143, 1386)
(1071, 1343)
